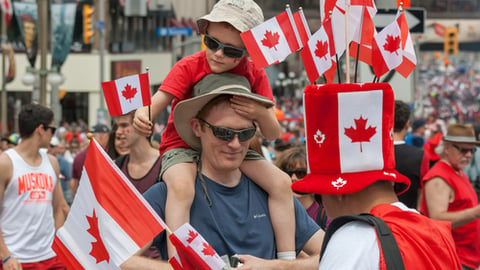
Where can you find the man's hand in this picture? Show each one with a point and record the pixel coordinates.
(248, 108)
(141, 122)
(12, 264)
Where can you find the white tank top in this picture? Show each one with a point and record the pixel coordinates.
(26, 213)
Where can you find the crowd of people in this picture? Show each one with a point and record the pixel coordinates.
(368, 187)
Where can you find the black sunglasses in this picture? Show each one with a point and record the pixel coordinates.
(300, 173)
(52, 128)
(228, 51)
(226, 134)
(464, 151)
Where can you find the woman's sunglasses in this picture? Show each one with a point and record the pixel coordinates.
(228, 51)
(226, 134)
(300, 173)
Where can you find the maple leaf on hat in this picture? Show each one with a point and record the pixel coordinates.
(208, 250)
(271, 39)
(99, 252)
(361, 133)
(392, 44)
(322, 49)
(129, 92)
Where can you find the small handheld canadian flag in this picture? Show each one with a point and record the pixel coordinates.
(193, 248)
(127, 94)
(272, 41)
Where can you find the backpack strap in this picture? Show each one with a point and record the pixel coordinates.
(391, 252)
(321, 218)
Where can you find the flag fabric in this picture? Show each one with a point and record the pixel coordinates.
(361, 44)
(386, 49)
(178, 264)
(127, 94)
(325, 7)
(409, 60)
(403, 3)
(7, 9)
(273, 40)
(302, 26)
(109, 219)
(330, 73)
(193, 247)
(317, 57)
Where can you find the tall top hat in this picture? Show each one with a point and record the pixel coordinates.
(349, 133)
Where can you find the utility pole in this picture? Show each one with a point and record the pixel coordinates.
(4, 90)
(43, 43)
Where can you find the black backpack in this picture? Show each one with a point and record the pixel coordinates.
(391, 252)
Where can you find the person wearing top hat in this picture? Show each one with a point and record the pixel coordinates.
(449, 195)
(352, 166)
(225, 52)
(229, 210)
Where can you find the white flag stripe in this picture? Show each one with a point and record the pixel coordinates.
(135, 102)
(350, 108)
(392, 59)
(321, 63)
(281, 50)
(108, 229)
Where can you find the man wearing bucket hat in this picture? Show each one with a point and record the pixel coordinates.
(449, 195)
(225, 52)
(351, 164)
(229, 210)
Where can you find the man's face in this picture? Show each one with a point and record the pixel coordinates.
(29, 31)
(217, 61)
(220, 156)
(125, 129)
(459, 154)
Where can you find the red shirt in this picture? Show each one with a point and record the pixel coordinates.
(423, 242)
(467, 237)
(191, 69)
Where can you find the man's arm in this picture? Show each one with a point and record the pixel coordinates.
(60, 206)
(6, 167)
(139, 262)
(254, 263)
(438, 194)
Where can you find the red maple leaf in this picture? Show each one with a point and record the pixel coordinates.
(191, 235)
(99, 252)
(208, 250)
(360, 133)
(271, 39)
(322, 49)
(392, 44)
(129, 92)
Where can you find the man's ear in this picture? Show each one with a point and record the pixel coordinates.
(407, 125)
(196, 126)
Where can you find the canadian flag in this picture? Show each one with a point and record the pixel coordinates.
(127, 94)
(409, 58)
(317, 58)
(273, 40)
(193, 247)
(7, 9)
(361, 45)
(109, 220)
(386, 49)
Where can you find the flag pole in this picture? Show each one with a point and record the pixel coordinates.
(336, 55)
(358, 46)
(149, 110)
(347, 49)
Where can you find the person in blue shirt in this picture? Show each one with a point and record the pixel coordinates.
(229, 210)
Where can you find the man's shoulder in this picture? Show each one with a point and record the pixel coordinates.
(80, 156)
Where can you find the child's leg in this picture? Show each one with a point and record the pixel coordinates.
(180, 181)
(280, 202)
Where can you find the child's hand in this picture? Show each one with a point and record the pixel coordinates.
(141, 122)
(248, 108)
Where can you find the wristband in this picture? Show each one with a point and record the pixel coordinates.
(4, 261)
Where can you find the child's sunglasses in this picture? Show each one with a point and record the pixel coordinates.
(228, 51)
